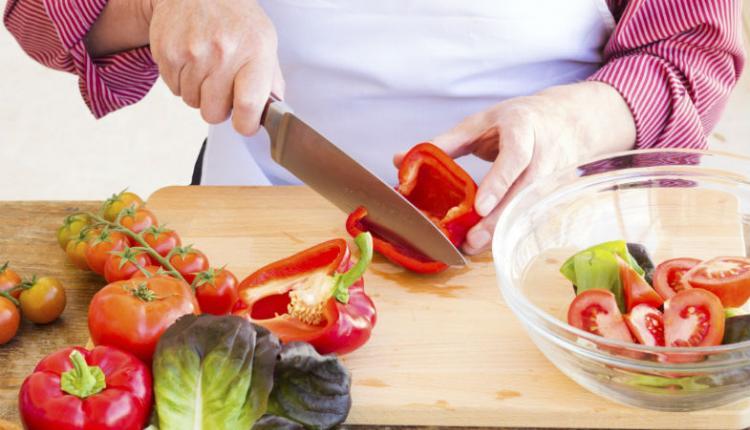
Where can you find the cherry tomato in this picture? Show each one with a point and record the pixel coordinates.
(10, 319)
(646, 323)
(693, 317)
(161, 239)
(76, 249)
(153, 270)
(216, 291)
(596, 311)
(727, 277)
(71, 228)
(137, 220)
(636, 289)
(115, 204)
(42, 300)
(132, 315)
(189, 261)
(9, 280)
(101, 246)
(124, 264)
(668, 276)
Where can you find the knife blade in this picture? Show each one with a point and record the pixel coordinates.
(347, 184)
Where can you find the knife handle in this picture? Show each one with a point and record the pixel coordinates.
(271, 99)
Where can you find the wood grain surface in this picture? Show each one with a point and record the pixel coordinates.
(446, 350)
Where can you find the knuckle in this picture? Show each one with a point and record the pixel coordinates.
(214, 114)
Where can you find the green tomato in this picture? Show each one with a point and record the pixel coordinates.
(71, 228)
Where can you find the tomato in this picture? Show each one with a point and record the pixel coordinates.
(76, 249)
(42, 300)
(124, 264)
(71, 228)
(727, 277)
(115, 204)
(646, 324)
(668, 276)
(10, 319)
(596, 311)
(636, 289)
(132, 315)
(216, 291)
(9, 280)
(153, 270)
(161, 239)
(189, 261)
(693, 317)
(100, 248)
(137, 220)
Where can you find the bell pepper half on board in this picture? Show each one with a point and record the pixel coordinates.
(434, 183)
(316, 296)
(73, 388)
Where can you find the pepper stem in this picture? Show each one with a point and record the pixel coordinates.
(343, 281)
(83, 380)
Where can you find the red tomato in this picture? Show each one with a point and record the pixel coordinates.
(646, 324)
(189, 261)
(216, 291)
(668, 276)
(596, 311)
(153, 270)
(10, 319)
(636, 289)
(693, 317)
(727, 277)
(161, 239)
(138, 219)
(132, 315)
(9, 280)
(123, 264)
(100, 247)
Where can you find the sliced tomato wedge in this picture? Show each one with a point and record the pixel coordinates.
(596, 311)
(693, 317)
(646, 324)
(637, 291)
(669, 274)
(727, 277)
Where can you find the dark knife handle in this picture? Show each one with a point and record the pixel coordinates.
(271, 99)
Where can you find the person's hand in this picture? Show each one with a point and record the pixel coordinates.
(218, 55)
(530, 137)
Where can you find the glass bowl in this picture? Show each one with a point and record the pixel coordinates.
(678, 203)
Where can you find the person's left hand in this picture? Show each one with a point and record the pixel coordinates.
(530, 137)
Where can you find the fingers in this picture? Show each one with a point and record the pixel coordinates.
(458, 141)
(252, 86)
(216, 97)
(191, 80)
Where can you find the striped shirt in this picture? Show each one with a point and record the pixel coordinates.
(673, 61)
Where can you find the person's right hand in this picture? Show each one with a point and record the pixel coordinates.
(219, 56)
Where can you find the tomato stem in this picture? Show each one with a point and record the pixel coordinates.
(144, 246)
(7, 295)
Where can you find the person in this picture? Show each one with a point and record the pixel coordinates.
(527, 87)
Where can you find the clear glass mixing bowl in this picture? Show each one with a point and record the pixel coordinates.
(678, 203)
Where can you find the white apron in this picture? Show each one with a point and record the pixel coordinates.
(378, 76)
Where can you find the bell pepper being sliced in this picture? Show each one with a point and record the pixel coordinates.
(316, 296)
(73, 388)
(434, 183)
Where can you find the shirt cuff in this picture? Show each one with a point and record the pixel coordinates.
(656, 96)
(106, 83)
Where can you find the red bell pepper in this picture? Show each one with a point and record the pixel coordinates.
(316, 296)
(76, 389)
(442, 190)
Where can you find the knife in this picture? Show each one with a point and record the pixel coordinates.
(347, 184)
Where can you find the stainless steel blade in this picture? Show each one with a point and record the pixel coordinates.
(347, 184)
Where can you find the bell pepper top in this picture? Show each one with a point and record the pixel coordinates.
(82, 380)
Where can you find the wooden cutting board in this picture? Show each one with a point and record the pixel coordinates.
(446, 349)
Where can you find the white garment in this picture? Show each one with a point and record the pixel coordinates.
(379, 76)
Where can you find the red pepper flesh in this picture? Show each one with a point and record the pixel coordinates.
(274, 297)
(434, 183)
(120, 398)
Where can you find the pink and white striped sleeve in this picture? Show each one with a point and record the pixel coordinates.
(53, 33)
(675, 63)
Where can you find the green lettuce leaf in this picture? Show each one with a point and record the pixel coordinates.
(596, 267)
(310, 389)
(213, 372)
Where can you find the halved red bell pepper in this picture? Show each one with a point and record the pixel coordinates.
(316, 296)
(439, 187)
(76, 389)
